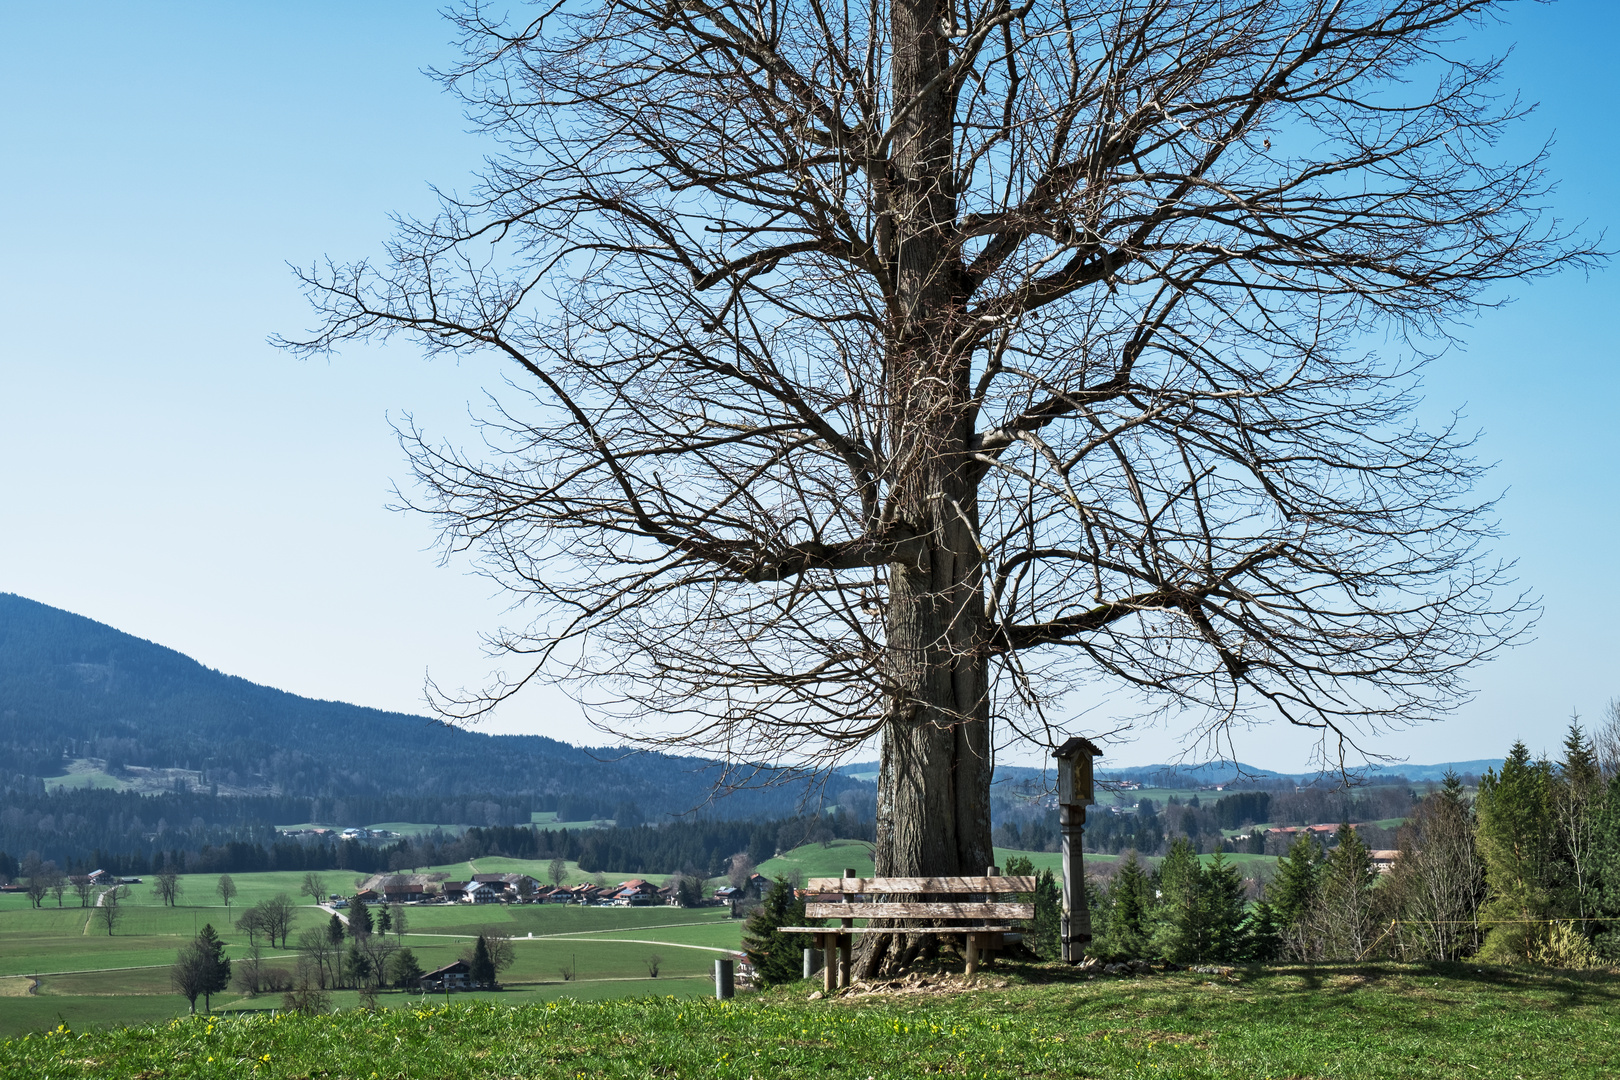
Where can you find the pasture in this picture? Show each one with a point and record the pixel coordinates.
(1356, 1022)
(58, 965)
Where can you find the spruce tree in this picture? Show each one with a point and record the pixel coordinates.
(359, 919)
(1130, 917)
(1225, 907)
(1293, 896)
(1606, 872)
(219, 965)
(1516, 837)
(1263, 934)
(1293, 891)
(1577, 793)
(404, 970)
(482, 971)
(1178, 924)
(776, 957)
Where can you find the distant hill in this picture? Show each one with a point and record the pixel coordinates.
(1218, 773)
(73, 690)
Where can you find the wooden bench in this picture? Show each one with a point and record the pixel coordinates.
(957, 899)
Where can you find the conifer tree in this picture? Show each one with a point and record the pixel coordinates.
(1130, 904)
(1293, 896)
(201, 969)
(1225, 911)
(1577, 794)
(1263, 934)
(1516, 843)
(359, 919)
(1606, 872)
(219, 965)
(482, 967)
(1178, 925)
(776, 957)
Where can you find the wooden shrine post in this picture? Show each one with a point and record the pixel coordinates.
(1075, 793)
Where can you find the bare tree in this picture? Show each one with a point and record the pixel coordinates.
(83, 888)
(1438, 881)
(314, 887)
(166, 885)
(740, 870)
(896, 370)
(278, 912)
(322, 954)
(1606, 740)
(108, 907)
(557, 870)
(226, 887)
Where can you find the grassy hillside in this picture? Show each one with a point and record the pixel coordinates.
(1375, 1022)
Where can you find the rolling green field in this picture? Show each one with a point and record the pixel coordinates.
(86, 978)
(1363, 1022)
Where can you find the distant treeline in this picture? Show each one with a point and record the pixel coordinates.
(700, 847)
(1151, 827)
(67, 826)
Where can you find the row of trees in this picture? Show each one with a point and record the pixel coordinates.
(703, 846)
(1527, 871)
(1150, 827)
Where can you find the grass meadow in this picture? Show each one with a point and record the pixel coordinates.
(88, 979)
(58, 965)
(1369, 1022)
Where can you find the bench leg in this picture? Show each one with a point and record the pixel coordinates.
(972, 954)
(844, 944)
(829, 970)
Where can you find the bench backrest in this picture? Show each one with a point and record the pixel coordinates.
(933, 908)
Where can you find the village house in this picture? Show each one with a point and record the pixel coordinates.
(453, 976)
(636, 892)
(483, 892)
(518, 887)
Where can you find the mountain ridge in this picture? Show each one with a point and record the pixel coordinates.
(74, 688)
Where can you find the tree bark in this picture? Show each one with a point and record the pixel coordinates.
(933, 813)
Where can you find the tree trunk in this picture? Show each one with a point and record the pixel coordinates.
(933, 811)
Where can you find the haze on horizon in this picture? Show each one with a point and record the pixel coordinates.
(168, 473)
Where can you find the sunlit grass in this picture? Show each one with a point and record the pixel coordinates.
(1378, 1021)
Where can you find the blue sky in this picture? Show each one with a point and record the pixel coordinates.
(164, 470)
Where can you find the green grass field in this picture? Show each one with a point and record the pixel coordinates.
(87, 978)
(90, 979)
(1371, 1022)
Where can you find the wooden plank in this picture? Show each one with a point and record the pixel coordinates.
(1022, 883)
(920, 910)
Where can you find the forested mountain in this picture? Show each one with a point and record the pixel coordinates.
(73, 689)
